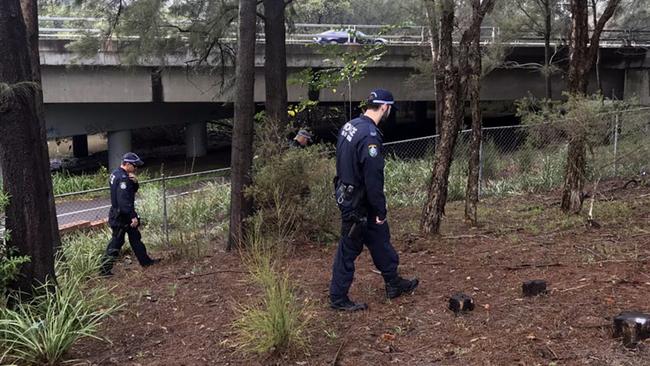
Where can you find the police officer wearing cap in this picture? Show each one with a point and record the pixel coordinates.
(122, 217)
(359, 187)
(302, 139)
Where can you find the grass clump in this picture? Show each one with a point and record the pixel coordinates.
(279, 321)
(40, 331)
(64, 182)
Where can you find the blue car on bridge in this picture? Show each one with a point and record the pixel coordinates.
(347, 36)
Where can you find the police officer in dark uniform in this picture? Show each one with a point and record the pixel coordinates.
(122, 217)
(359, 186)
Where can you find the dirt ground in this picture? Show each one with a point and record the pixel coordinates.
(180, 313)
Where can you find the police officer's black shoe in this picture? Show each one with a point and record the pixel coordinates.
(400, 286)
(151, 262)
(346, 304)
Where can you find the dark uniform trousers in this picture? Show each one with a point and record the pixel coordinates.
(122, 211)
(377, 239)
(117, 241)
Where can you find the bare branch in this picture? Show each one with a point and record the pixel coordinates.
(612, 5)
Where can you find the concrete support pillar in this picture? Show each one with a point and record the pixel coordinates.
(119, 143)
(196, 139)
(80, 146)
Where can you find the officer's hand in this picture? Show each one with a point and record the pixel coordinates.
(133, 177)
(379, 222)
(134, 222)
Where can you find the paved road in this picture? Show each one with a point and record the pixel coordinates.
(72, 211)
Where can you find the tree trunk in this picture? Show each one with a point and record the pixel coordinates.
(597, 65)
(452, 81)
(275, 64)
(434, 44)
(242, 139)
(26, 175)
(547, 50)
(582, 56)
(437, 194)
(474, 93)
(30, 14)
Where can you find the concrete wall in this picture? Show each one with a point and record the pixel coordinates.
(75, 84)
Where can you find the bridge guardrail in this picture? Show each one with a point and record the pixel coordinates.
(302, 33)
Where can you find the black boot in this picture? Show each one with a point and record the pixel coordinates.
(346, 304)
(400, 286)
(151, 262)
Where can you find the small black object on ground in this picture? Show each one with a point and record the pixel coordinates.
(534, 288)
(461, 303)
(632, 327)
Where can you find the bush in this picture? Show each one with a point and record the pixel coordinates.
(9, 265)
(293, 194)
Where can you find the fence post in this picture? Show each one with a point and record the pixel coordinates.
(480, 164)
(616, 146)
(164, 192)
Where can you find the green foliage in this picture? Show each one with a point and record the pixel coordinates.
(64, 182)
(157, 28)
(41, 331)
(81, 253)
(347, 65)
(193, 219)
(292, 191)
(9, 263)
(279, 322)
(405, 181)
(9, 269)
(356, 12)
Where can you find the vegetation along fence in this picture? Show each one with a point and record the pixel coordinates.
(514, 160)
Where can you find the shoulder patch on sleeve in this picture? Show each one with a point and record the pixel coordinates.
(123, 185)
(372, 150)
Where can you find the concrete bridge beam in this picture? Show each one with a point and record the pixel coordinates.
(196, 139)
(119, 143)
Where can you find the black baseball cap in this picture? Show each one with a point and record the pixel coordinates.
(381, 96)
(132, 158)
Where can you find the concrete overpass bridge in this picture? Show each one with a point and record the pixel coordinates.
(86, 95)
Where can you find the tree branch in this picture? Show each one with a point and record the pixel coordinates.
(530, 17)
(612, 5)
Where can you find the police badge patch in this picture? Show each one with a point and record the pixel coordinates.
(372, 151)
(123, 185)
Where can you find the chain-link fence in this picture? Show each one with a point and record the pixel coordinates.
(513, 160)
(531, 158)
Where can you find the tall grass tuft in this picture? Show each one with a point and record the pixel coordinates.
(278, 323)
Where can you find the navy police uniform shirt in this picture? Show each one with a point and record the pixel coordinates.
(123, 191)
(360, 162)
